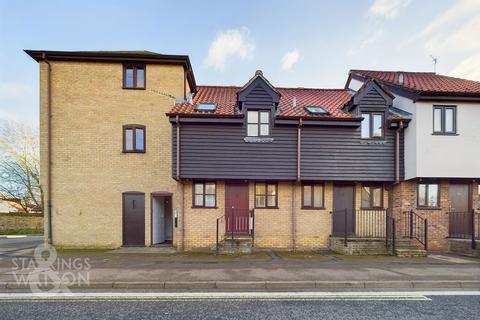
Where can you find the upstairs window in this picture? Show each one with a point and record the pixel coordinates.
(134, 76)
(133, 138)
(372, 197)
(265, 195)
(204, 194)
(444, 119)
(372, 125)
(312, 196)
(258, 123)
(428, 195)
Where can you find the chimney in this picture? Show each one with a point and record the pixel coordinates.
(294, 102)
(400, 78)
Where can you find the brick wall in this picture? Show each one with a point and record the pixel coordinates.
(90, 172)
(273, 227)
(20, 220)
(405, 198)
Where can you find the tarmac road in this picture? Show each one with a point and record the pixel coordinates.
(429, 307)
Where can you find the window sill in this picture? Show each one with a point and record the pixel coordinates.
(133, 88)
(373, 208)
(373, 141)
(262, 208)
(258, 139)
(313, 208)
(203, 207)
(428, 208)
(134, 151)
(444, 134)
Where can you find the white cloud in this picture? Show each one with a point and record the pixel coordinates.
(227, 45)
(369, 40)
(12, 90)
(387, 9)
(468, 68)
(453, 37)
(290, 58)
(463, 38)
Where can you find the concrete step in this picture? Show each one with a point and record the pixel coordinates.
(237, 245)
(400, 252)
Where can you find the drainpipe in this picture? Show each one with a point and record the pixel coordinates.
(294, 218)
(184, 84)
(397, 152)
(294, 184)
(182, 229)
(49, 146)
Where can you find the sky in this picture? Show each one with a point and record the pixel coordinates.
(296, 43)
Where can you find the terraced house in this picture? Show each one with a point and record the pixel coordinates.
(133, 152)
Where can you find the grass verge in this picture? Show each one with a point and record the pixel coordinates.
(20, 231)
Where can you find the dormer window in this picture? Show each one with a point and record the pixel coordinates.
(372, 125)
(258, 123)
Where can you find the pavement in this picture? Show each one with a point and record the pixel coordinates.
(260, 271)
(292, 305)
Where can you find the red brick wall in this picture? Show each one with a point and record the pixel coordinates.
(404, 198)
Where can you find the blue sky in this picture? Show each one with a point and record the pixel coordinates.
(295, 43)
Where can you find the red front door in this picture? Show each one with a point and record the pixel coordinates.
(236, 200)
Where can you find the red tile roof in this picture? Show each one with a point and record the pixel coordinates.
(226, 99)
(424, 82)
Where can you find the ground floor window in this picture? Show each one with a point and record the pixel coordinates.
(265, 195)
(428, 195)
(312, 196)
(204, 194)
(372, 197)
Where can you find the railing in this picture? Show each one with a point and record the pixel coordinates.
(359, 224)
(237, 223)
(370, 223)
(461, 225)
(390, 233)
(228, 225)
(415, 227)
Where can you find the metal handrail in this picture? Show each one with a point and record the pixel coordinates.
(416, 227)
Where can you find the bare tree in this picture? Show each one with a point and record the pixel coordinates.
(20, 166)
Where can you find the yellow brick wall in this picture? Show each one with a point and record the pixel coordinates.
(314, 226)
(89, 170)
(200, 223)
(273, 227)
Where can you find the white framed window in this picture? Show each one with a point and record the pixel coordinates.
(258, 123)
(444, 119)
(372, 126)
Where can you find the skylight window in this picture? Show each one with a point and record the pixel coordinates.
(316, 109)
(206, 107)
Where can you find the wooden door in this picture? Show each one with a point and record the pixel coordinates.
(343, 203)
(460, 218)
(134, 219)
(236, 197)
